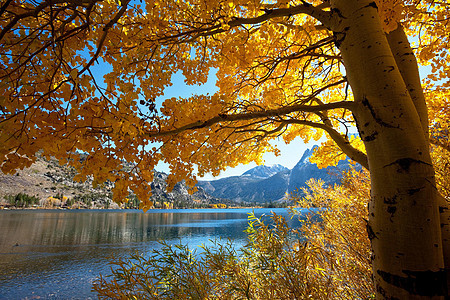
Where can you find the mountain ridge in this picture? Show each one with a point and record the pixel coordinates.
(273, 187)
(54, 186)
(265, 171)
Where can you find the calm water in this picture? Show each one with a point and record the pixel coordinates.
(56, 254)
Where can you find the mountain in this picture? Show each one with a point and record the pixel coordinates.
(265, 171)
(247, 188)
(179, 197)
(304, 170)
(272, 183)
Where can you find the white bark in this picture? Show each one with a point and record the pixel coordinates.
(404, 225)
(407, 64)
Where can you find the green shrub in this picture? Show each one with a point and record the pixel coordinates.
(22, 200)
(133, 202)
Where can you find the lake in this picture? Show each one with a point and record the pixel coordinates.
(57, 254)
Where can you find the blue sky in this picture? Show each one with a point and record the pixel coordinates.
(290, 155)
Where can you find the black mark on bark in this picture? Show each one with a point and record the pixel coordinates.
(372, 4)
(370, 232)
(371, 137)
(405, 163)
(392, 200)
(338, 12)
(384, 294)
(391, 210)
(339, 36)
(413, 191)
(389, 69)
(422, 283)
(366, 103)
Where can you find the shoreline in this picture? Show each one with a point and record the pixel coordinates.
(101, 208)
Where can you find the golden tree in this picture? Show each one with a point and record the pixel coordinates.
(285, 69)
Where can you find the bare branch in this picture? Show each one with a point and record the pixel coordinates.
(32, 13)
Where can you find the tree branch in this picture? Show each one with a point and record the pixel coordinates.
(105, 33)
(308, 9)
(323, 16)
(253, 115)
(4, 6)
(34, 13)
(342, 142)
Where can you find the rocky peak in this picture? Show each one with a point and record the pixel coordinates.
(264, 171)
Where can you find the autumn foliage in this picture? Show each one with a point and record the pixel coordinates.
(54, 98)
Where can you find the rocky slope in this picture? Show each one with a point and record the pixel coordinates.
(47, 179)
(179, 197)
(54, 186)
(265, 171)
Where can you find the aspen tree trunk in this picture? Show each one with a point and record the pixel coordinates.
(404, 223)
(407, 64)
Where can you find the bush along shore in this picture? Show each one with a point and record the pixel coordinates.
(99, 201)
(58, 201)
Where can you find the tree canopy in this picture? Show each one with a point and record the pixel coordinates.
(278, 68)
(284, 69)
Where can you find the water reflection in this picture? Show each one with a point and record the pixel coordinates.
(57, 254)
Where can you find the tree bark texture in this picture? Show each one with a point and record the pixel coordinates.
(404, 223)
(407, 64)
